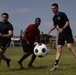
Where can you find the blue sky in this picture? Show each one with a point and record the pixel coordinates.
(23, 12)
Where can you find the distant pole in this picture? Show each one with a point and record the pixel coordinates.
(21, 34)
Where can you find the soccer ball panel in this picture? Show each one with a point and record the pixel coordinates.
(40, 50)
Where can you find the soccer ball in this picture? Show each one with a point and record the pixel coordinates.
(40, 50)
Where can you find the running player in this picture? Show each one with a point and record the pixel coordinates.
(31, 33)
(65, 33)
(6, 32)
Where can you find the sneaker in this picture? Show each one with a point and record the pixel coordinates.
(54, 67)
(30, 66)
(8, 63)
(20, 65)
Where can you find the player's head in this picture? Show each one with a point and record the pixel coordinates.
(55, 8)
(37, 21)
(4, 17)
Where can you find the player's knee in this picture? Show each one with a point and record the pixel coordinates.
(69, 47)
(59, 48)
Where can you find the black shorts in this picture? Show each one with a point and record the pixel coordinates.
(4, 45)
(27, 47)
(68, 38)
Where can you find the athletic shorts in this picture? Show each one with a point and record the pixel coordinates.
(68, 38)
(27, 47)
(4, 45)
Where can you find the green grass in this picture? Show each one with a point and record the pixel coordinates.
(42, 65)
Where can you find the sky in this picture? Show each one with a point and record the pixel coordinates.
(23, 12)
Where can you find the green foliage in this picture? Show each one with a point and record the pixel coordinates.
(47, 36)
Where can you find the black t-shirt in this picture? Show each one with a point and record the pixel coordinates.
(60, 20)
(4, 28)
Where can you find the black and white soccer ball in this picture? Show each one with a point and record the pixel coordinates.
(40, 50)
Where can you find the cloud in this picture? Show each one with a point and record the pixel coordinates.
(48, 23)
(45, 26)
(23, 10)
(73, 23)
(16, 11)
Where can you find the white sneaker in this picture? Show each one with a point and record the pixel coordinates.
(54, 67)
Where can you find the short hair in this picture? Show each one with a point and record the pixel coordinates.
(55, 4)
(38, 19)
(5, 14)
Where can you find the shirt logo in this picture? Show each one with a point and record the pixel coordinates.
(59, 18)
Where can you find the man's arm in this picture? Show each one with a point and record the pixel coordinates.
(25, 33)
(52, 28)
(9, 35)
(65, 26)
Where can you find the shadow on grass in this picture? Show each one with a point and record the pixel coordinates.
(64, 67)
(39, 67)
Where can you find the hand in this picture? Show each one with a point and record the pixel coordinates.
(0, 35)
(35, 43)
(48, 32)
(60, 30)
(28, 42)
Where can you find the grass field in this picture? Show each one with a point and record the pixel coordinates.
(42, 65)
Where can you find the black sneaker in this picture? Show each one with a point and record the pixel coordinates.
(20, 65)
(30, 66)
(8, 63)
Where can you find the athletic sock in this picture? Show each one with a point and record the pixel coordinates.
(56, 62)
(7, 60)
(32, 60)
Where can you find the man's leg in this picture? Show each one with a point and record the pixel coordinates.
(58, 55)
(23, 58)
(32, 60)
(4, 58)
(73, 50)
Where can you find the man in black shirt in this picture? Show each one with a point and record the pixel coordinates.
(6, 32)
(65, 33)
